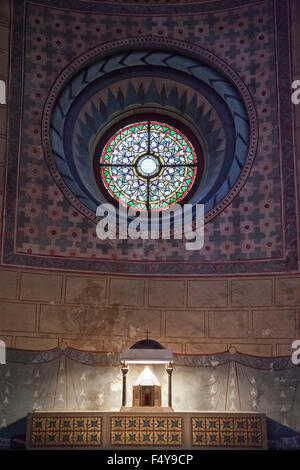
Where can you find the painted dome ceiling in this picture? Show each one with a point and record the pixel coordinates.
(98, 68)
(167, 86)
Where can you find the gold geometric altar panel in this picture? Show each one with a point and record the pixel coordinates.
(146, 430)
(232, 431)
(111, 430)
(65, 431)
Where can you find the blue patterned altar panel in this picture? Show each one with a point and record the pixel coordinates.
(65, 431)
(141, 430)
(247, 237)
(228, 431)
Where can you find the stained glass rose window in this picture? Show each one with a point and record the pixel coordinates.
(148, 165)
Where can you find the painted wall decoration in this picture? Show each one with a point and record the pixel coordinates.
(70, 379)
(216, 69)
(159, 430)
(66, 430)
(222, 168)
(52, 430)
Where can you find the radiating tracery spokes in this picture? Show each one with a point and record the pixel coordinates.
(148, 165)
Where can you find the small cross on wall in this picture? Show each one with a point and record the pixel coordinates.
(147, 333)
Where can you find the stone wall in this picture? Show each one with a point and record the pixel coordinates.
(43, 310)
(40, 310)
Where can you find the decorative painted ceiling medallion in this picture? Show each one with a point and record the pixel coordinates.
(203, 96)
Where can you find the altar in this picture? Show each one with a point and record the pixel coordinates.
(145, 430)
(148, 420)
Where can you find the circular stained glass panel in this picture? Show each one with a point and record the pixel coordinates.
(148, 165)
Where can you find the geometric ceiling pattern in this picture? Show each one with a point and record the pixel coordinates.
(47, 222)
